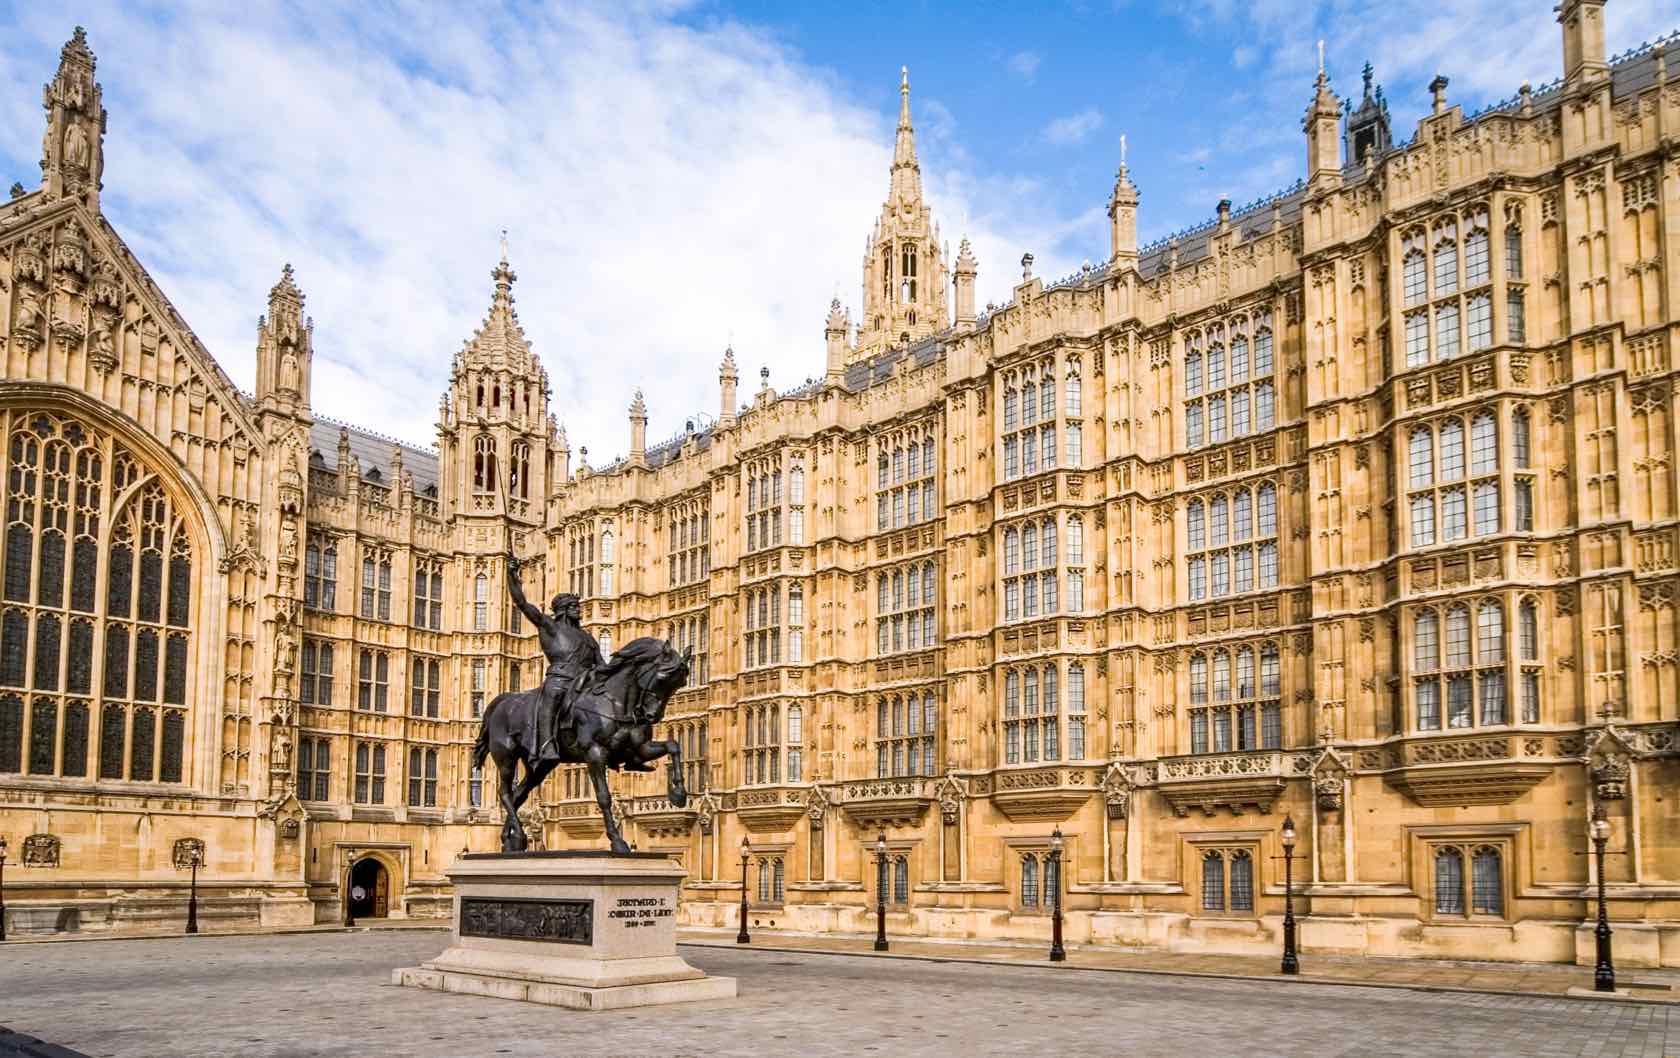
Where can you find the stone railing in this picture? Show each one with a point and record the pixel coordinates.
(1235, 781)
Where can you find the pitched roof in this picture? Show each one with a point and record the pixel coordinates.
(372, 451)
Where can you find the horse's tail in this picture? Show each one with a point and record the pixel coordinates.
(481, 747)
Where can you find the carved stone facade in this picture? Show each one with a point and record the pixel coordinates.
(1354, 505)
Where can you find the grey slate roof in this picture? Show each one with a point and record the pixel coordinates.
(373, 451)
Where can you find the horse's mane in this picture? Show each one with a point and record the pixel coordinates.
(636, 652)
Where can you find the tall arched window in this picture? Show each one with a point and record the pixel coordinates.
(520, 482)
(795, 744)
(481, 603)
(484, 464)
(85, 518)
(1029, 881)
(901, 880)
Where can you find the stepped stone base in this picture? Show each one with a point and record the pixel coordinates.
(583, 930)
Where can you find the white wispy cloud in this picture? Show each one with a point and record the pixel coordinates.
(665, 187)
(1025, 64)
(1074, 128)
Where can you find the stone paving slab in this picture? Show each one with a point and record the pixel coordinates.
(326, 996)
(1661, 986)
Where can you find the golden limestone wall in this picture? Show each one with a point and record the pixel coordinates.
(1447, 638)
(1362, 510)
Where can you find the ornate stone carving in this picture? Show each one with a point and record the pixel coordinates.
(1610, 776)
(42, 850)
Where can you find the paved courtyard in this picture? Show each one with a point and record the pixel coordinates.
(326, 995)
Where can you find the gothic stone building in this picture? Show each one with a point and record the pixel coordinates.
(1356, 506)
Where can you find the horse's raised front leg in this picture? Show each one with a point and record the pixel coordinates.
(603, 797)
(652, 751)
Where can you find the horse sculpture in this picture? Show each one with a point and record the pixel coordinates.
(607, 723)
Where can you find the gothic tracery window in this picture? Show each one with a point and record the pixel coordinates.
(85, 518)
(1229, 387)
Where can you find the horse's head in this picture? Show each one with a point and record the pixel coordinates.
(655, 668)
(668, 671)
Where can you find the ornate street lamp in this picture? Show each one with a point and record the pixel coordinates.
(2, 888)
(744, 937)
(1057, 952)
(1604, 973)
(192, 861)
(349, 865)
(1291, 964)
(881, 892)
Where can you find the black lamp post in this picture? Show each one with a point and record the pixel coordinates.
(194, 860)
(2, 888)
(743, 937)
(1604, 973)
(1057, 952)
(881, 892)
(349, 867)
(1291, 963)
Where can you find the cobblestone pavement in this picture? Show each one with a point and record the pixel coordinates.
(320, 995)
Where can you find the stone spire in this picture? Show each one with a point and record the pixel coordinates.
(285, 347)
(906, 172)
(73, 151)
(904, 275)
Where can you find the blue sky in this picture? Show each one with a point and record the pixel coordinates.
(677, 175)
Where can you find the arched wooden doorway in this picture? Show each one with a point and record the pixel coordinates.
(370, 889)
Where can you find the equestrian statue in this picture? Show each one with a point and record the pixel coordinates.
(587, 711)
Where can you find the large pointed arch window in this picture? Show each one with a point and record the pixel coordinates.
(96, 607)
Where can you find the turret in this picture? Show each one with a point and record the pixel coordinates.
(966, 269)
(1122, 214)
(904, 275)
(73, 150)
(1583, 40)
(638, 431)
(1324, 147)
(493, 442)
(1367, 135)
(835, 334)
(728, 377)
(285, 348)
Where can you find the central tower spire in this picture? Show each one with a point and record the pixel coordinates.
(905, 273)
(906, 172)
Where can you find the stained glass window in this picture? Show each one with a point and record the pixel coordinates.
(63, 482)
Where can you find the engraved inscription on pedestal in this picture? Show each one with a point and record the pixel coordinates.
(561, 921)
(636, 911)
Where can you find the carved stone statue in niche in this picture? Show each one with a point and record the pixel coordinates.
(290, 379)
(288, 540)
(285, 646)
(76, 151)
(280, 759)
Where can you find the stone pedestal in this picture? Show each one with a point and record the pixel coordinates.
(586, 930)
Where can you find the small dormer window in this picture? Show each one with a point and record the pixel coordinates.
(374, 475)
